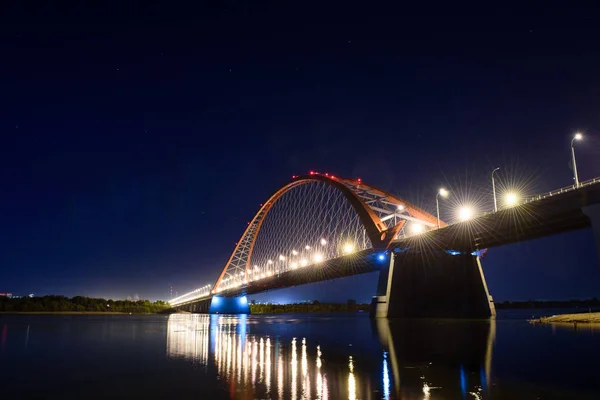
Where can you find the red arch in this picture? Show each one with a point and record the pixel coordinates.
(376, 230)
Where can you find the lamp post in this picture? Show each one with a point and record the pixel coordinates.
(444, 193)
(577, 136)
(494, 189)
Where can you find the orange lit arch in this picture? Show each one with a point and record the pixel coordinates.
(354, 191)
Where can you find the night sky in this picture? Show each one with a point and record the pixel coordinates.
(137, 141)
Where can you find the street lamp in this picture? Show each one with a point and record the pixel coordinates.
(577, 136)
(416, 228)
(444, 193)
(465, 213)
(494, 189)
(511, 199)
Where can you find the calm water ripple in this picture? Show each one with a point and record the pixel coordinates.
(295, 357)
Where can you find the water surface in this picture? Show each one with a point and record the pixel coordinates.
(343, 356)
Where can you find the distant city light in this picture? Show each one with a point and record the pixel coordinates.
(318, 257)
(323, 242)
(465, 213)
(281, 257)
(294, 252)
(270, 262)
(303, 262)
(307, 247)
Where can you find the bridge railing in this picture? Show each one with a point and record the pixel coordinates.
(561, 190)
(548, 194)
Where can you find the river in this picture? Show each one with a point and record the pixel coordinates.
(342, 356)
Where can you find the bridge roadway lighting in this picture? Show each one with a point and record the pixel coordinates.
(348, 248)
(511, 199)
(465, 213)
(444, 193)
(494, 189)
(577, 136)
(416, 228)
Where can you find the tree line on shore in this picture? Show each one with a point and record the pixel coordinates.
(79, 304)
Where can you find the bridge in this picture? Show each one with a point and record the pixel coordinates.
(320, 227)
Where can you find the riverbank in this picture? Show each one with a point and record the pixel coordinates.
(61, 313)
(582, 318)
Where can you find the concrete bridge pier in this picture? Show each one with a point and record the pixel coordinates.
(218, 305)
(432, 285)
(593, 213)
(229, 305)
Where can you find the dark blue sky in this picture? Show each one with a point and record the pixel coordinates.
(136, 141)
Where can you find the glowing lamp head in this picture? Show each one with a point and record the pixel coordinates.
(465, 213)
(348, 248)
(444, 193)
(511, 199)
(400, 207)
(578, 136)
(416, 228)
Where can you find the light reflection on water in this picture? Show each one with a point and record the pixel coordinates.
(416, 363)
(256, 357)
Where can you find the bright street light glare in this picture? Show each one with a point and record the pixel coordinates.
(444, 193)
(318, 258)
(465, 213)
(416, 228)
(348, 248)
(578, 136)
(511, 199)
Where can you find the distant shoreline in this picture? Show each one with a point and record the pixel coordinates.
(579, 318)
(64, 313)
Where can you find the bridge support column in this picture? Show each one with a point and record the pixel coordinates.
(433, 285)
(593, 213)
(229, 305)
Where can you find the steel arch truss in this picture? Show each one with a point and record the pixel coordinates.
(382, 216)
